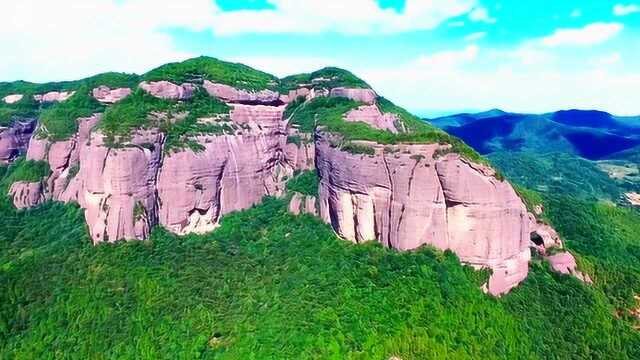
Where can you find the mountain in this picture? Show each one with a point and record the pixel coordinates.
(234, 191)
(593, 135)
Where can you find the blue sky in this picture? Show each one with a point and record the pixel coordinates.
(431, 56)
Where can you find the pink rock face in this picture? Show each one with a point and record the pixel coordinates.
(26, 194)
(54, 96)
(303, 204)
(117, 186)
(300, 151)
(233, 172)
(13, 98)
(565, 263)
(366, 96)
(230, 94)
(168, 90)
(15, 139)
(371, 115)
(110, 96)
(404, 198)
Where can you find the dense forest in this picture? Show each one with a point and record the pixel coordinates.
(269, 285)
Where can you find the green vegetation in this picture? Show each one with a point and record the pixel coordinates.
(27, 107)
(355, 148)
(206, 68)
(327, 78)
(177, 119)
(557, 173)
(26, 170)
(305, 183)
(270, 285)
(59, 122)
(329, 112)
(110, 79)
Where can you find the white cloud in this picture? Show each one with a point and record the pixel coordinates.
(456, 24)
(591, 34)
(45, 40)
(508, 84)
(448, 59)
(481, 14)
(623, 10)
(350, 17)
(607, 60)
(475, 36)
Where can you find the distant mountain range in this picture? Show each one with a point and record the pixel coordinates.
(593, 135)
(588, 154)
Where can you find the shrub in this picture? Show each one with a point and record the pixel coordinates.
(59, 122)
(306, 183)
(27, 170)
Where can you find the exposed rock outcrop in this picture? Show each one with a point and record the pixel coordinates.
(366, 96)
(107, 95)
(14, 139)
(303, 204)
(232, 95)
(168, 90)
(371, 115)
(405, 197)
(565, 263)
(54, 96)
(12, 98)
(26, 194)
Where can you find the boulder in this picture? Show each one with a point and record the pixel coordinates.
(565, 263)
(168, 90)
(110, 96)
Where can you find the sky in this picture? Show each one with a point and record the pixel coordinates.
(431, 56)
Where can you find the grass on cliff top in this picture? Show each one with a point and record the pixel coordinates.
(269, 285)
(206, 68)
(329, 112)
(305, 183)
(59, 121)
(110, 79)
(328, 78)
(27, 107)
(26, 170)
(133, 112)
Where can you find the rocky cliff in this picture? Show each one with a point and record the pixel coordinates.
(382, 176)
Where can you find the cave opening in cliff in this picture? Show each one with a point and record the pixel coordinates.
(537, 239)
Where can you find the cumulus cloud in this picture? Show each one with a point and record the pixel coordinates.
(624, 10)
(591, 34)
(350, 17)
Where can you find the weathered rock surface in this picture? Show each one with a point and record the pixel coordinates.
(14, 140)
(404, 198)
(26, 194)
(303, 204)
(12, 98)
(168, 90)
(233, 172)
(366, 96)
(565, 263)
(54, 96)
(371, 115)
(107, 95)
(232, 95)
